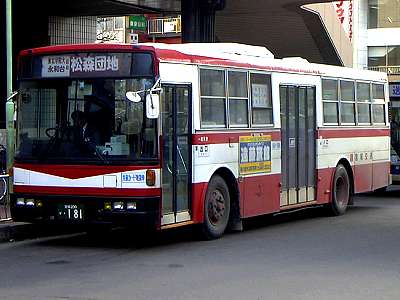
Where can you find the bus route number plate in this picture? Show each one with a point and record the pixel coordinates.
(70, 212)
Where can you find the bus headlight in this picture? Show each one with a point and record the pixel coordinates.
(107, 206)
(20, 201)
(30, 202)
(131, 205)
(118, 205)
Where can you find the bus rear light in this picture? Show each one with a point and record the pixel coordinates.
(150, 177)
(131, 205)
(118, 205)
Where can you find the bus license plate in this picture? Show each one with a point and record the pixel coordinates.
(70, 212)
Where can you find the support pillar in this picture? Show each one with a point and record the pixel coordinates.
(198, 20)
(9, 103)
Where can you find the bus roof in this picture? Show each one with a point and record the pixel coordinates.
(221, 55)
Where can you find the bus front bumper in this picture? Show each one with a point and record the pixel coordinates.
(85, 210)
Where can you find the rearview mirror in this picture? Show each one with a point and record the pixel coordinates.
(152, 106)
(133, 97)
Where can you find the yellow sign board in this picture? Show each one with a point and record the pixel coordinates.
(254, 154)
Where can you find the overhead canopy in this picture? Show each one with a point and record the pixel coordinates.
(69, 8)
(282, 26)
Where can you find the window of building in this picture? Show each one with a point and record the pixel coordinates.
(213, 98)
(378, 103)
(377, 56)
(261, 99)
(347, 102)
(363, 103)
(330, 101)
(385, 56)
(109, 24)
(383, 14)
(393, 55)
(238, 99)
(119, 23)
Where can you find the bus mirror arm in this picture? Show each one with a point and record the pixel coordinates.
(15, 93)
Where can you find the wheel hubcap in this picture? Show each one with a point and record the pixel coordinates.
(216, 207)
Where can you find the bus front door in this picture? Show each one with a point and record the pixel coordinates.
(176, 153)
(298, 155)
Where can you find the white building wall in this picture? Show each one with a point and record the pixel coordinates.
(75, 30)
(360, 34)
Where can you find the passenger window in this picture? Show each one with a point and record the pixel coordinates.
(213, 97)
(363, 103)
(330, 101)
(347, 102)
(378, 103)
(238, 99)
(261, 99)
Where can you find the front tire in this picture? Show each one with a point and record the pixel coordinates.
(341, 191)
(216, 208)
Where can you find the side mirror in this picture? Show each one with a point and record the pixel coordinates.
(152, 106)
(133, 97)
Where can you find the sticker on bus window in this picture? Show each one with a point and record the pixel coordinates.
(254, 154)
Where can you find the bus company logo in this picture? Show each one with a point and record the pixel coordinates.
(254, 154)
(133, 178)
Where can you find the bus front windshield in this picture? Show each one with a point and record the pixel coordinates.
(87, 120)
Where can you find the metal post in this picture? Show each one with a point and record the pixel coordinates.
(9, 103)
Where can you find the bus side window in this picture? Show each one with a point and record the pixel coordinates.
(330, 101)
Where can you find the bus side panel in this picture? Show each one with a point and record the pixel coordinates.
(363, 178)
(198, 195)
(379, 171)
(261, 194)
(324, 185)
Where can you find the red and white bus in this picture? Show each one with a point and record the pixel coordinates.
(204, 134)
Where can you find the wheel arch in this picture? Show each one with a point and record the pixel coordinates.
(234, 192)
(343, 161)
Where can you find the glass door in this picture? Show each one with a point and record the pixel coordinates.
(176, 153)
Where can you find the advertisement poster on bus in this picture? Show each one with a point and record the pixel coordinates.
(255, 154)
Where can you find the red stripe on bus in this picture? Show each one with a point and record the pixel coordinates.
(86, 191)
(80, 171)
(230, 137)
(325, 133)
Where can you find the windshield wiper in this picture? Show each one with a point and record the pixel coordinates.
(101, 156)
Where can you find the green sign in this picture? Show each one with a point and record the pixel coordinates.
(137, 23)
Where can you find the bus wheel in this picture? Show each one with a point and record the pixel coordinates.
(216, 208)
(341, 191)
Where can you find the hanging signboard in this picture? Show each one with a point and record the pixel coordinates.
(138, 23)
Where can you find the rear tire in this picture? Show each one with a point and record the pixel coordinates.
(216, 208)
(341, 191)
